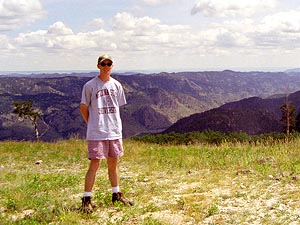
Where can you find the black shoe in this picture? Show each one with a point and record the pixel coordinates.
(120, 197)
(87, 205)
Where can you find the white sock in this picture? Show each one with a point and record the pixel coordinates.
(87, 194)
(115, 189)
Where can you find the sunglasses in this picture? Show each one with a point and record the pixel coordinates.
(106, 64)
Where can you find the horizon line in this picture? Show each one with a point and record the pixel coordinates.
(263, 69)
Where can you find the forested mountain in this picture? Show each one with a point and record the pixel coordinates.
(252, 116)
(155, 101)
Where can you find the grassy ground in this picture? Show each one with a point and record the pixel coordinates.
(196, 184)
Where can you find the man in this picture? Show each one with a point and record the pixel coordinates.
(101, 98)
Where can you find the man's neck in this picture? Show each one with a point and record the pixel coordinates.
(104, 77)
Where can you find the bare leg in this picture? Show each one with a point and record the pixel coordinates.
(91, 174)
(114, 181)
(113, 171)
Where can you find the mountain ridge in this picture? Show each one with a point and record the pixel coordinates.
(253, 116)
(155, 101)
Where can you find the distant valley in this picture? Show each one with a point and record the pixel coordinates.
(155, 101)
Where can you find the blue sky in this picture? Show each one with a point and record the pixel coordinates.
(157, 35)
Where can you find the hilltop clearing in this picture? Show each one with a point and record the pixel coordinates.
(41, 183)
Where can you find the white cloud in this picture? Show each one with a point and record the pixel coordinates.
(5, 44)
(16, 13)
(59, 37)
(148, 34)
(285, 22)
(96, 23)
(135, 38)
(34, 39)
(157, 2)
(59, 29)
(278, 32)
(126, 21)
(281, 30)
(129, 36)
(232, 8)
(227, 39)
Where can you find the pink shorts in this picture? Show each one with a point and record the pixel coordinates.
(105, 148)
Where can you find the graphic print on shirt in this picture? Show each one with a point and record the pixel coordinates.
(105, 101)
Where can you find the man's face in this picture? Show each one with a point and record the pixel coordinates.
(105, 66)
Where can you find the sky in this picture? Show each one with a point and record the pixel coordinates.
(150, 35)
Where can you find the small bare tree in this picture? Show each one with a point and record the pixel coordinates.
(288, 111)
(25, 110)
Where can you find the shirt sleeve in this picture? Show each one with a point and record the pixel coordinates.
(121, 96)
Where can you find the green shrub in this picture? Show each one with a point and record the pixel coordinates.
(213, 137)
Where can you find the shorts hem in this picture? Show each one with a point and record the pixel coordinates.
(104, 157)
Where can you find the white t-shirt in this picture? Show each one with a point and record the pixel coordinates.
(103, 100)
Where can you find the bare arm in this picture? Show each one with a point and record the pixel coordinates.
(84, 112)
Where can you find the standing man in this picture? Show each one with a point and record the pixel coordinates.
(101, 98)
